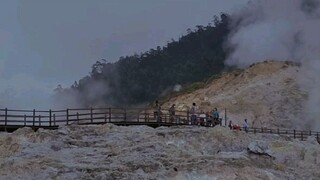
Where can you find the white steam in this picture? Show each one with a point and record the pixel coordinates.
(23, 91)
(177, 88)
(281, 30)
(91, 96)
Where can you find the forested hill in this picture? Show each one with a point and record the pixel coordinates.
(141, 78)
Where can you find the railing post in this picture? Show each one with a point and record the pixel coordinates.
(138, 116)
(5, 119)
(294, 134)
(67, 113)
(50, 117)
(105, 118)
(25, 120)
(278, 131)
(310, 133)
(145, 115)
(109, 115)
(261, 130)
(301, 136)
(34, 117)
(91, 114)
(54, 119)
(188, 116)
(125, 115)
(159, 120)
(254, 130)
(39, 121)
(225, 117)
(78, 118)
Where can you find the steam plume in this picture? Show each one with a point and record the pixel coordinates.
(281, 30)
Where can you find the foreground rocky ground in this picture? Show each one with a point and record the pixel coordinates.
(141, 152)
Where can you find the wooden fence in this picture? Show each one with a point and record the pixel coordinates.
(122, 116)
(51, 119)
(296, 134)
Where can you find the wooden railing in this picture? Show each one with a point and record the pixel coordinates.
(32, 118)
(296, 134)
(120, 116)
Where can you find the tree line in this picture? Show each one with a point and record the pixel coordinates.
(145, 77)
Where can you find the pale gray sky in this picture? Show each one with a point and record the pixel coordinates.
(44, 43)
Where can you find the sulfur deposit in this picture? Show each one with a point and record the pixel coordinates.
(140, 152)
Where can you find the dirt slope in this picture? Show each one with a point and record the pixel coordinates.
(266, 93)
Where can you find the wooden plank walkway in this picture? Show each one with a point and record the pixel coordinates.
(11, 120)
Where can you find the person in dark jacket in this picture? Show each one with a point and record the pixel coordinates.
(230, 125)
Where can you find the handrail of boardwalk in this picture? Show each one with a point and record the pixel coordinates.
(296, 134)
(120, 116)
(51, 118)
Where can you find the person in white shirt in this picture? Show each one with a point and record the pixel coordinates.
(194, 113)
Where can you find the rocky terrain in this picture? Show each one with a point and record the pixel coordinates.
(140, 152)
(266, 93)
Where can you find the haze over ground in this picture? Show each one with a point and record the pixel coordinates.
(46, 43)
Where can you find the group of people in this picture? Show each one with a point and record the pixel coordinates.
(198, 117)
(157, 113)
(238, 127)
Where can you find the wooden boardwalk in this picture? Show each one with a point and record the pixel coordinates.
(11, 120)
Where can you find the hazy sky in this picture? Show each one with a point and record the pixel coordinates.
(44, 43)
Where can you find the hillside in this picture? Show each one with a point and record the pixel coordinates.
(266, 93)
(144, 77)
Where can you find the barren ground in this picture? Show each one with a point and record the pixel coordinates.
(140, 152)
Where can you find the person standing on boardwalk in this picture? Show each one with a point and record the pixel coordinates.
(193, 111)
(216, 116)
(172, 112)
(156, 111)
(245, 125)
(230, 125)
(208, 119)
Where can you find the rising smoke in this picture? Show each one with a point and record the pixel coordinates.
(281, 30)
